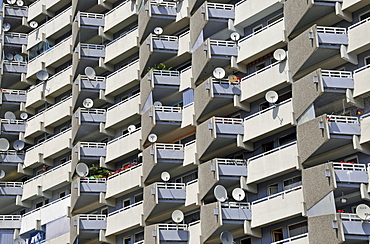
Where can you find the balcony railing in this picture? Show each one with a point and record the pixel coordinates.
(92, 217)
(163, 185)
(125, 171)
(123, 136)
(271, 151)
(220, 6)
(165, 38)
(166, 73)
(351, 217)
(11, 184)
(167, 109)
(47, 22)
(343, 119)
(168, 146)
(13, 121)
(222, 43)
(49, 108)
(172, 227)
(93, 110)
(15, 34)
(260, 71)
(224, 81)
(123, 101)
(361, 69)
(92, 46)
(47, 205)
(228, 121)
(359, 23)
(293, 238)
(349, 166)
(192, 182)
(190, 142)
(47, 172)
(240, 205)
(10, 217)
(96, 78)
(92, 15)
(12, 152)
(125, 208)
(14, 92)
(227, 161)
(123, 35)
(331, 30)
(336, 73)
(283, 193)
(267, 109)
(93, 180)
(164, 4)
(260, 30)
(93, 144)
(15, 63)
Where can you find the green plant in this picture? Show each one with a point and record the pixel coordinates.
(98, 172)
(160, 66)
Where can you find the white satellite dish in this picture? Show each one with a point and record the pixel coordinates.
(226, 238)
(6, 27)
(158, 30)
(152, 138)
(220, 193)
(20, 3)
(271, 96)
(131, 128)
(90, 72)
(2, 174)
(157, 104)
(219, 73)
(23, 116)
(19, 241)
(18, 145)
(4, 144)
(165, 176)
(33, 24)
(11, 1)
(42, 75)
(18, 58)
(238, 194)
(363, 211)
(82, 169)
(88, 103)
(177, 216)
(9, 115)
(9, 56)
(235, 36)
(279, 54)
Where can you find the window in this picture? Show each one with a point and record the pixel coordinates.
(364, 16)
(277, 234)
(134, 92)
(138, 197)
(126, 202)
(23, 211)
(105, 140)
(264, 105)
(260, 66)
(246, 241)
(257, 28)
(124, 97)
(286, 139)
(272, 189)
(268, 146)
(62, 129)
(127, 240)
(273, 19)
(367, 60)
(187, 178)
(62, 194)
(298, 229)
(62, 160)
(292, 182)
(192, 217)
(104, 211)
(46, 201)
(39, 204)
(139, 236)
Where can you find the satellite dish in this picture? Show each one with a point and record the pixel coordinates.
(177, 216)
(226, 238)
(152, 138)
(18, 58)
(42, 75)
(18, 145)
(271, 96)
(165, 176)
(9, 115)
(219, 73)
(220, 193)
(232, 78)
(238, 194)
(11, 1)
(20, 3)
(90, 72)
(235, 36)
(131, 128)
(6, 27)
(4, 144)
(157, 104)
(23, 116)
(82, 169)
(33, 24)
(363, 211)
(19, 241)
(2, 174)
(280, 54)
(88, 103)
(158, 30)
(9, 56)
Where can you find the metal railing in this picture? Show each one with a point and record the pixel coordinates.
(191, 182)
(172, 227)
(229, 121)
(47, 205)
(271, 151)
(359, 23)
(267, 109)
(49, 108)
(194, 223)
(361, 69)
(11, 184)
(123, 136)
(230, 161)
(240, 205)
(93, 110)
(123, 101)
(349, 166)
(93, 180)
(222, 43)
(15, 7)
(164, 185)
(351, 217)
(92, 15)
(16, 34)
(343, 119)
(92, 217)
(10, 217)
(190, 143)
(165, 38)
(93, 144)
(13, 121)
(166, 73)
(123, 68)
(336, 73)
(225, 81)
(92, 46)
(13, 92)
(12, 152)
(168, 146)
(126, 208)
(18, 63)
(260, 71)
(290, 239)
(123, 35)
(114, 9)
(49, 139)
(220, 6)
(186, 69)
(167, 109)
(331, 30)
(283, 193)
(261, 30)
(164, 4)
(50, 20)
(125, 171)
(96, 78)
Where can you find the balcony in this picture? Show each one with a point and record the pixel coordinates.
(132, 215)
(282, 205)
(284, 158)
(119, 16)
(114, 83)
(358, 41)
(273, 77)
(354, 228)
(87, 121)
(90, 50)
(326, 137)
(10, 10)
(190, 153)
(220, 171)
(328, 86)
(360, 86)
(9, 126)
(36, 218)
(269, 121)
(264, 41)
(218, 137)
(89, 226)
(49, 149)
(317, 47)
(227, 216)
(210, 54)
(365, 134)
(11, 189)
(171, 233)
(13, 96)
(125, 181)
(350, 173)
(123, 112)
(83, 88)
(90, 19)
(15, 38)
(42, 185)
(38, 7)
(12, 157)
(124, 146)
(123, 46)
(10, 221)
(14, 67)
(87, 194)
(216, 97)
(157, 49)
(162, 198)
(161, 157)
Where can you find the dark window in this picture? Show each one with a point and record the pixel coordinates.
(39, 204)
(298, 229)
(104, 211)
(365, 16)
(62, 194)
(272, 189)
(138, 198)
(23, 211)
(367, 60)
(260, 66)
(277, 235)
(293, 182)
(139, 236)
(126, 202)
(286, 139)
(246, 241)
(268, 146)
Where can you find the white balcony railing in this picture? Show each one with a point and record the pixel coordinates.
(228, 161)
(190, 142)
(267, 109)
(229, 121)
(93, 110)
(10, 217)
(13, 121)
(16, 35)
(336, 73)
(93, 144)
(12, 152)
(92, 217)
(220, 6)
(343, 119)
(165, 38)
(125, 208)
(164, 185)
(92, 15)
(271, 151)
(93, 180)
(92, 46)
(331, 30)
(222, 43)
(13, 92)
(349, 166)
(351, 217)
(240, 205)
(168, 146)
(277, 194)
(172, 227)
(11, 184)
(47, 172)
(166, 72)
(164, 4)
(290, 239)
(167, 109)
(260, 30)
(15, 63)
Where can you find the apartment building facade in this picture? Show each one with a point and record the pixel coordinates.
(157, 106)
